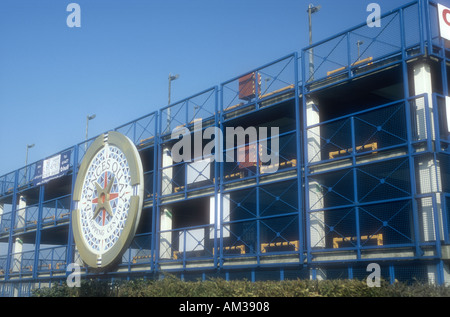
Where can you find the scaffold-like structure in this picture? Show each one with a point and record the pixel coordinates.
(362, 173)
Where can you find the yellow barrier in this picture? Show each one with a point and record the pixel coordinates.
(48, 218)
(235, 247)
(378, 237)
(292, 162)
(60, 265)
(140, 257)
(276, 91)
(370, 146)
(359, 62)
(142, 142)
(279, 244)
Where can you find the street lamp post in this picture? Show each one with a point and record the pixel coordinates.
(29, 146)
(88, 118)
(266, 80)
(359, 43)
(171, 78)
(311, 9)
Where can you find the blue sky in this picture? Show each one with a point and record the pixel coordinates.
(117, 63)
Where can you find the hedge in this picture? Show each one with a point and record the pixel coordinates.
(174, 287)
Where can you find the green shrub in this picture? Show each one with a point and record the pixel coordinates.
(171, 286)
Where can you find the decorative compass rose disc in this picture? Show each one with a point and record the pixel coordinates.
(108, 199)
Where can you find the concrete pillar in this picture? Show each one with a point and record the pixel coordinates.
(225, 215)
(16, 288)
(428, 169)
(17, 255)
(20, 214)
(317, 219)
(165, 241)
(422, 85)
(167, 173)
(446, 274)
(432, 274)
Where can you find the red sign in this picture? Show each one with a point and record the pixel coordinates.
(444, 21)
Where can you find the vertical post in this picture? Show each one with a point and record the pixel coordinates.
(9, 263)
(171, 78)
(155, 186)
(355, 189)
(158, 184)
(311, 57)
(165, 244)
(38, 232)
(391, 274)
(258, 227)
(305, 163)
(311, 9)
(88, 118)
(358, 44)
(21, 212)
(29, 146)
(217, 199)
(424, 11)
(17, 255)
(428, 180)
(70, 242)
(300, 147)
(313, 189)
(219, 180)
(349, 57)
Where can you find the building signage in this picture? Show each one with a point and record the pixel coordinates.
(52, 168)
(444, 21)
(108, 198)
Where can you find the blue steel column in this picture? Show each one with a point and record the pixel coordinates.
(154, 192)
(158, 195)
(355, 190)
(221, 187)
(217, 215)
(11, 227)
(349, 57)
(258, 175)
(425, 12)
(391, 274)
(409, 125)
(38, 231)
(70, 256)
(436, 223)
(306, 167)
(300, 147)
(444, 208)
(258, 219)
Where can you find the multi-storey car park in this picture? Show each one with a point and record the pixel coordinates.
(362, 175)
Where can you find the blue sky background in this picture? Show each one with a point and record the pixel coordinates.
(117, 64)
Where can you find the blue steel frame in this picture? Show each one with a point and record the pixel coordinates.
(47, 264)
(402, 54)
(253, 106)
(201, 105)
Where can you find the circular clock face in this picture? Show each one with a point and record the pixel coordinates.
(108, 198)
